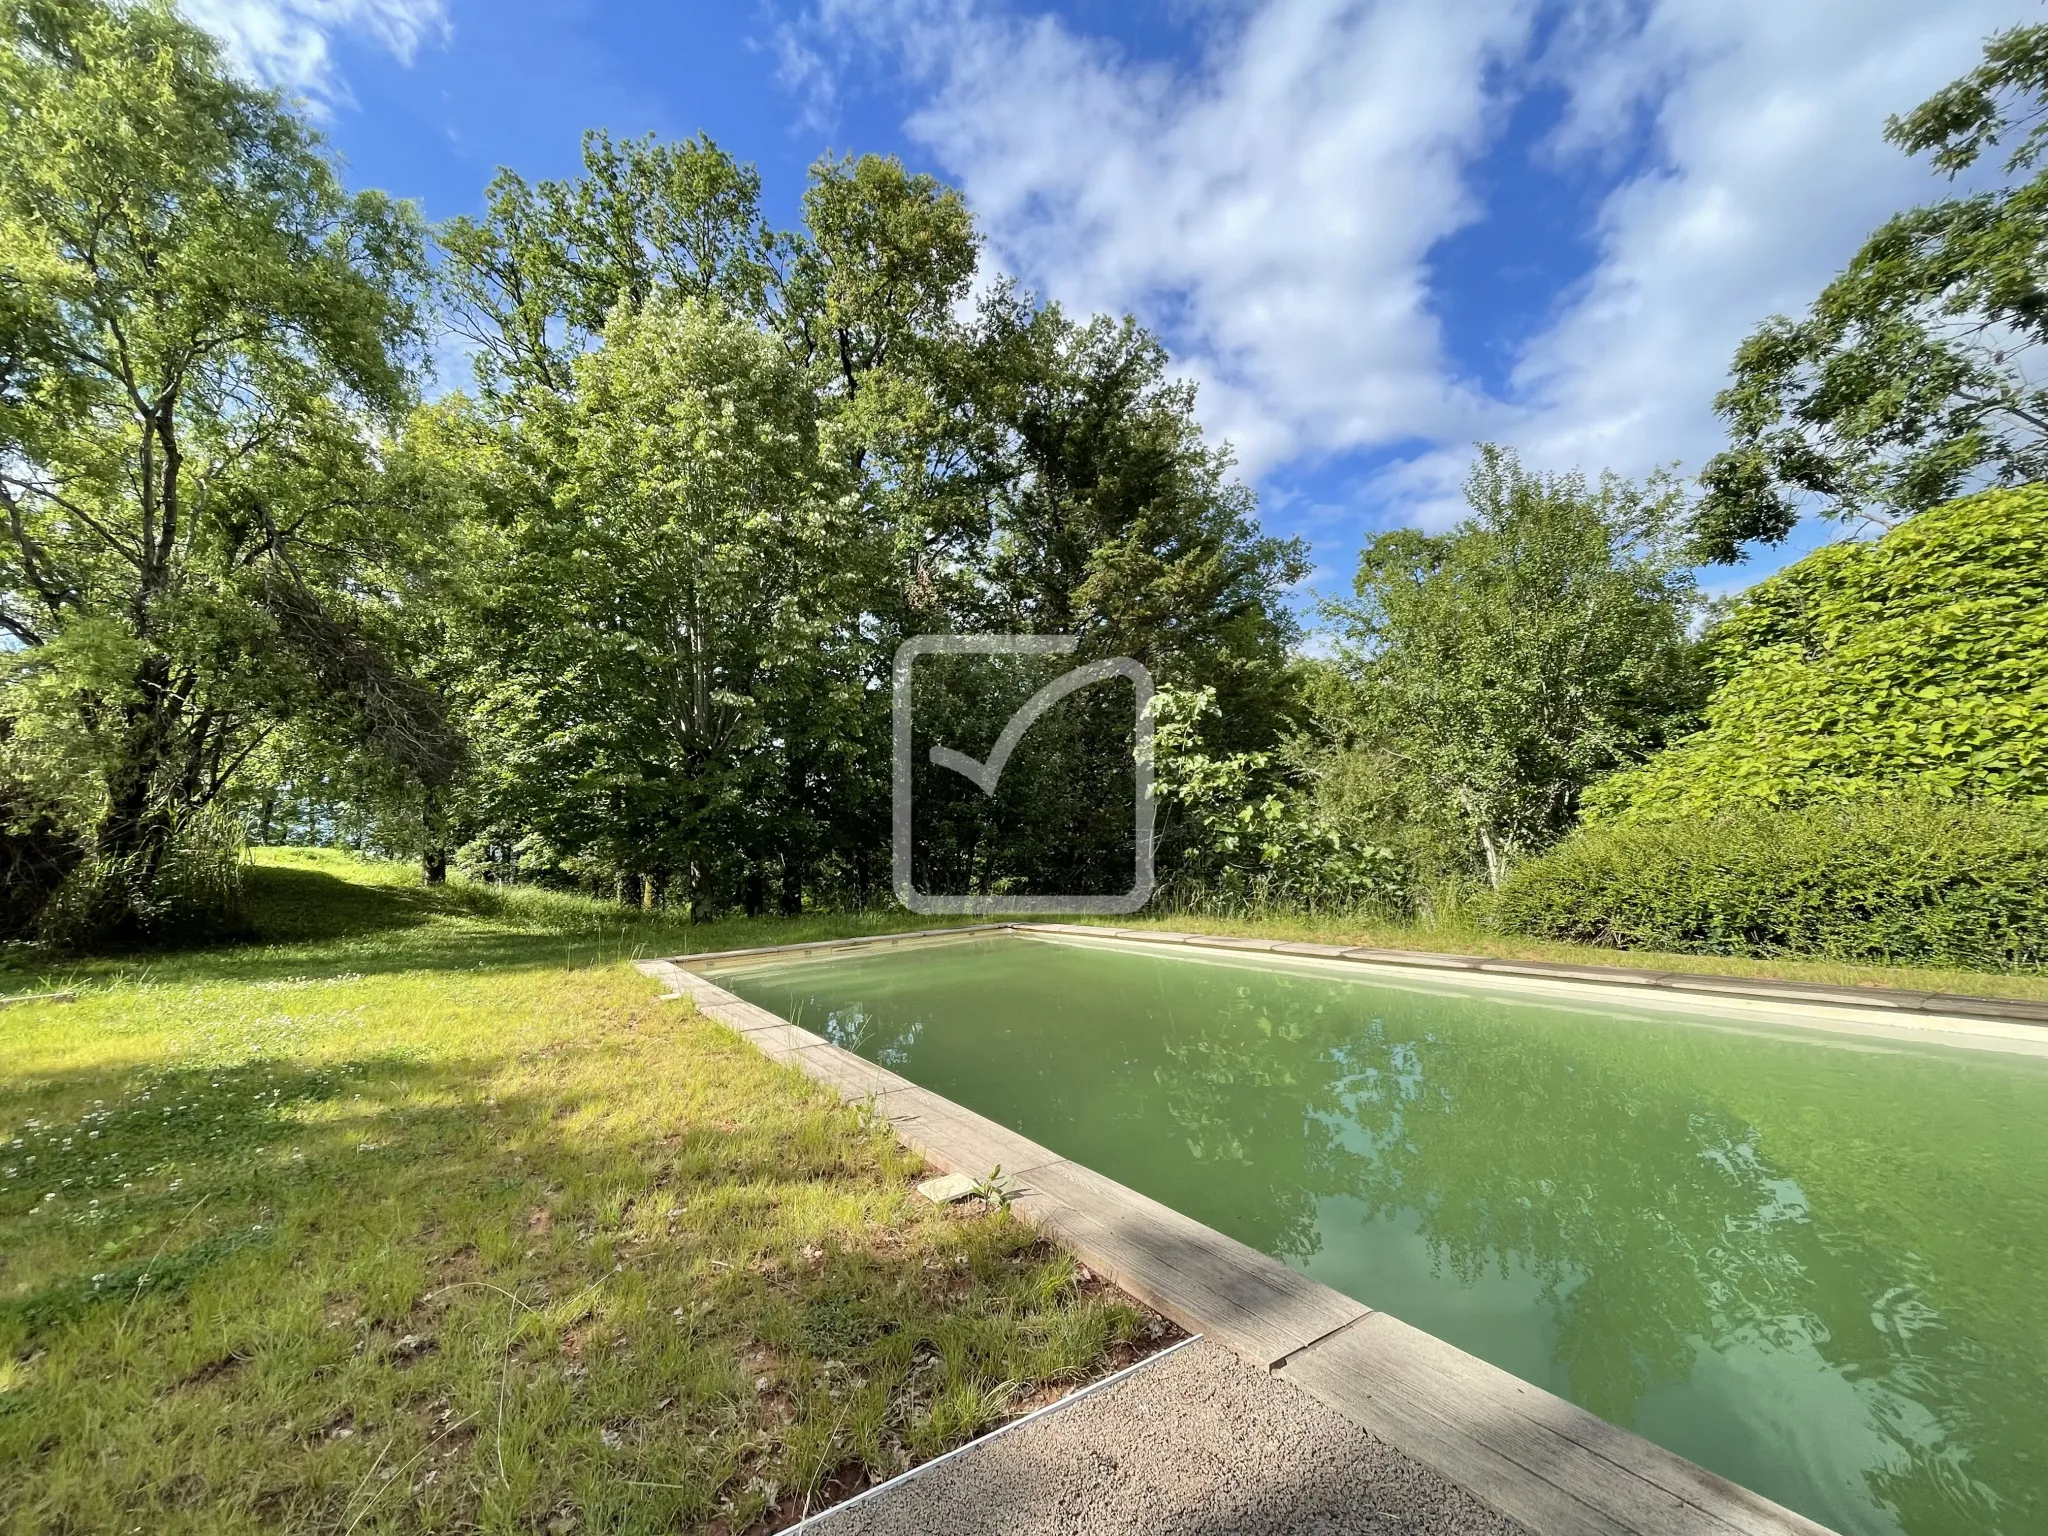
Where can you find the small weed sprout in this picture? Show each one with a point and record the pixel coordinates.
(997, 1190)
(870, 1113)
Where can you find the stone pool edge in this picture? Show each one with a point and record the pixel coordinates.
(1896, 1000)
(1536, 1458)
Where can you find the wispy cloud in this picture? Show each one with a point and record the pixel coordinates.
(1270, 211)
(288, 43)
(1273, 208)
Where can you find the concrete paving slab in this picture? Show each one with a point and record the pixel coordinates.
(1197, 1443)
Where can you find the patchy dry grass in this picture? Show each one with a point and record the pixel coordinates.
(428, 1216)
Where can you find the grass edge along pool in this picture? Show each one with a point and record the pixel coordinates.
(1799, 1246)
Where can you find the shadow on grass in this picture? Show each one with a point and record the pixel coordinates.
(323, 1295)
(317, 923)
(312, 906)
(362, 919)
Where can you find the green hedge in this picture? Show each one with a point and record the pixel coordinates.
(1914, 664)
(1905, 881)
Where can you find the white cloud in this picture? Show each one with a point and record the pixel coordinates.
(1272, 209)
(285, 43)
(1771, 167)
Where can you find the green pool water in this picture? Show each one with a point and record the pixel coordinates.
(1817, 1264)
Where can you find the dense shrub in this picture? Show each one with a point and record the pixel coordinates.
(37, 852)
(1895, 879)
(1242, 836)
(1918, 662)
(193, 896)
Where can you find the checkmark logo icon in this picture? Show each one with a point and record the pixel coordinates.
(988, 772)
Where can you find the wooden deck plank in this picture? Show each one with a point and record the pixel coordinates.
(1415, 957)
(1792, 991)
(747, 1017)
(854, 1077)
(1540, 970)
(814, 946)
(1206, 1282)
(957, 1140)
(1533, 1456)
(784, 1043)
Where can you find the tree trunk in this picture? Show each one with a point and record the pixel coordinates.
(134, 833)
(698, 894)
(434, 856)
(1496, 859)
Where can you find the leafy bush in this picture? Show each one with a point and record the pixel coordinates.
(1915, 663)
(37, 851)
(1243, 837)
(1893, 879)
(1498, 669)
(194, 895)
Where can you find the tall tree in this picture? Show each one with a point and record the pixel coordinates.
(1915, 374)
(994, 467)
(534, 281)
(1502, 667)
(199, 332)
(692, 572)
(843, 305)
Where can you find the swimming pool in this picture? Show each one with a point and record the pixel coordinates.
(1815, 1263)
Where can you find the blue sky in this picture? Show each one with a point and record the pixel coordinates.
(1372, 232)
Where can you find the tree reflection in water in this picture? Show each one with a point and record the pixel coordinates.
(1676, 1195)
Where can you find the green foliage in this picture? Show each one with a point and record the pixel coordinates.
(1917, 662)
(200, 332)
(1246, 836)
(1087, 504)
(1500, 668)
(697, 534)
(190, 893)
(534, 281)
(1896, 879)
(1914, 374)
(676, 597)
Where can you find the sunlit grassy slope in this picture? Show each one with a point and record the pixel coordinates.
(425, 1214)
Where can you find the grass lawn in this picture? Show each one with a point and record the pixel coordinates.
(424, 1214)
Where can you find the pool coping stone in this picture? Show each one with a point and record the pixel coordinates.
(1535, 1457)
(1760, 989)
